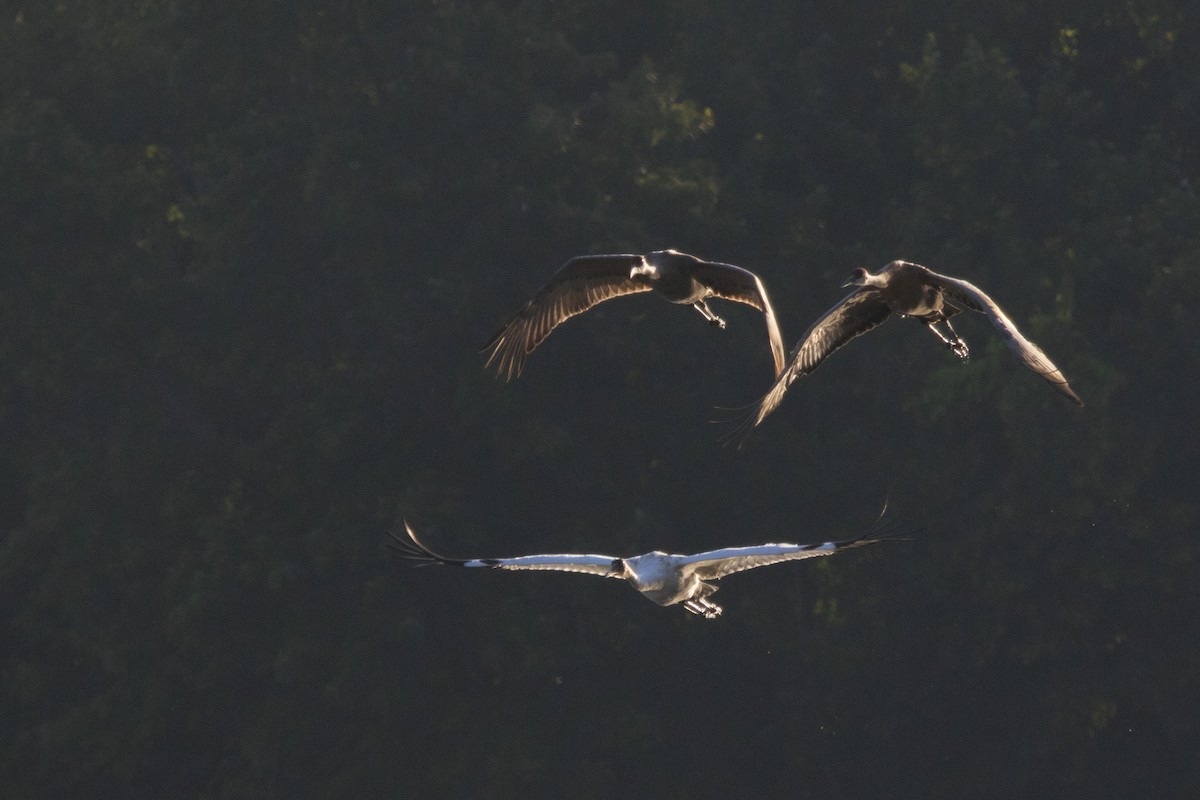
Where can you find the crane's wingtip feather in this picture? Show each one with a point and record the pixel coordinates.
(413, 549)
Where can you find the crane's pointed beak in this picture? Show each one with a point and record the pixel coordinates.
(857, 278)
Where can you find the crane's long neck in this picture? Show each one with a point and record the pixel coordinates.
(645, 270)
(875, 280)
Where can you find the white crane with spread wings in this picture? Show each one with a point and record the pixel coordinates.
(663, 578)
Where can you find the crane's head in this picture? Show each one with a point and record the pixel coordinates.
(860, 277)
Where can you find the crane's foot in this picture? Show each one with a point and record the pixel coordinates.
(703, 607)
(707, 313)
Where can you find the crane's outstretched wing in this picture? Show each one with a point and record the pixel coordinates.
(412, 549)
(717, 564)
(970, 296)
(577, 286)
(730, 282)
(854, 315)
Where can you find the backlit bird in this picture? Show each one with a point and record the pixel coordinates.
(909, 290)
(585, 281)
(661, 577)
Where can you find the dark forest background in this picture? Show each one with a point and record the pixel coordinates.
(250, 251)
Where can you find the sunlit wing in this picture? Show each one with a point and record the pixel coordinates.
(411, 548)
(577, 286)
(854, 315)
(730, 282)
(968, 295)
(716, 564)
(719, 563)
(566, 562)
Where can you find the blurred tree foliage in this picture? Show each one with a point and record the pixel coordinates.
(251, 248)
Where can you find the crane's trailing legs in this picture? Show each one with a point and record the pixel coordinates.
(704, 607)
(705, 312)
(953, 341)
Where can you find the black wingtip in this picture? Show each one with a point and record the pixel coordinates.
(410, 548)
(887, 528)
(893, 531)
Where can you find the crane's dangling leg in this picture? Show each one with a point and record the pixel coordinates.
(961, 350)
(704, 607)
(712, 318)
(954, 341)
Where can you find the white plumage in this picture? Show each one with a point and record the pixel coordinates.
(663, 578)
